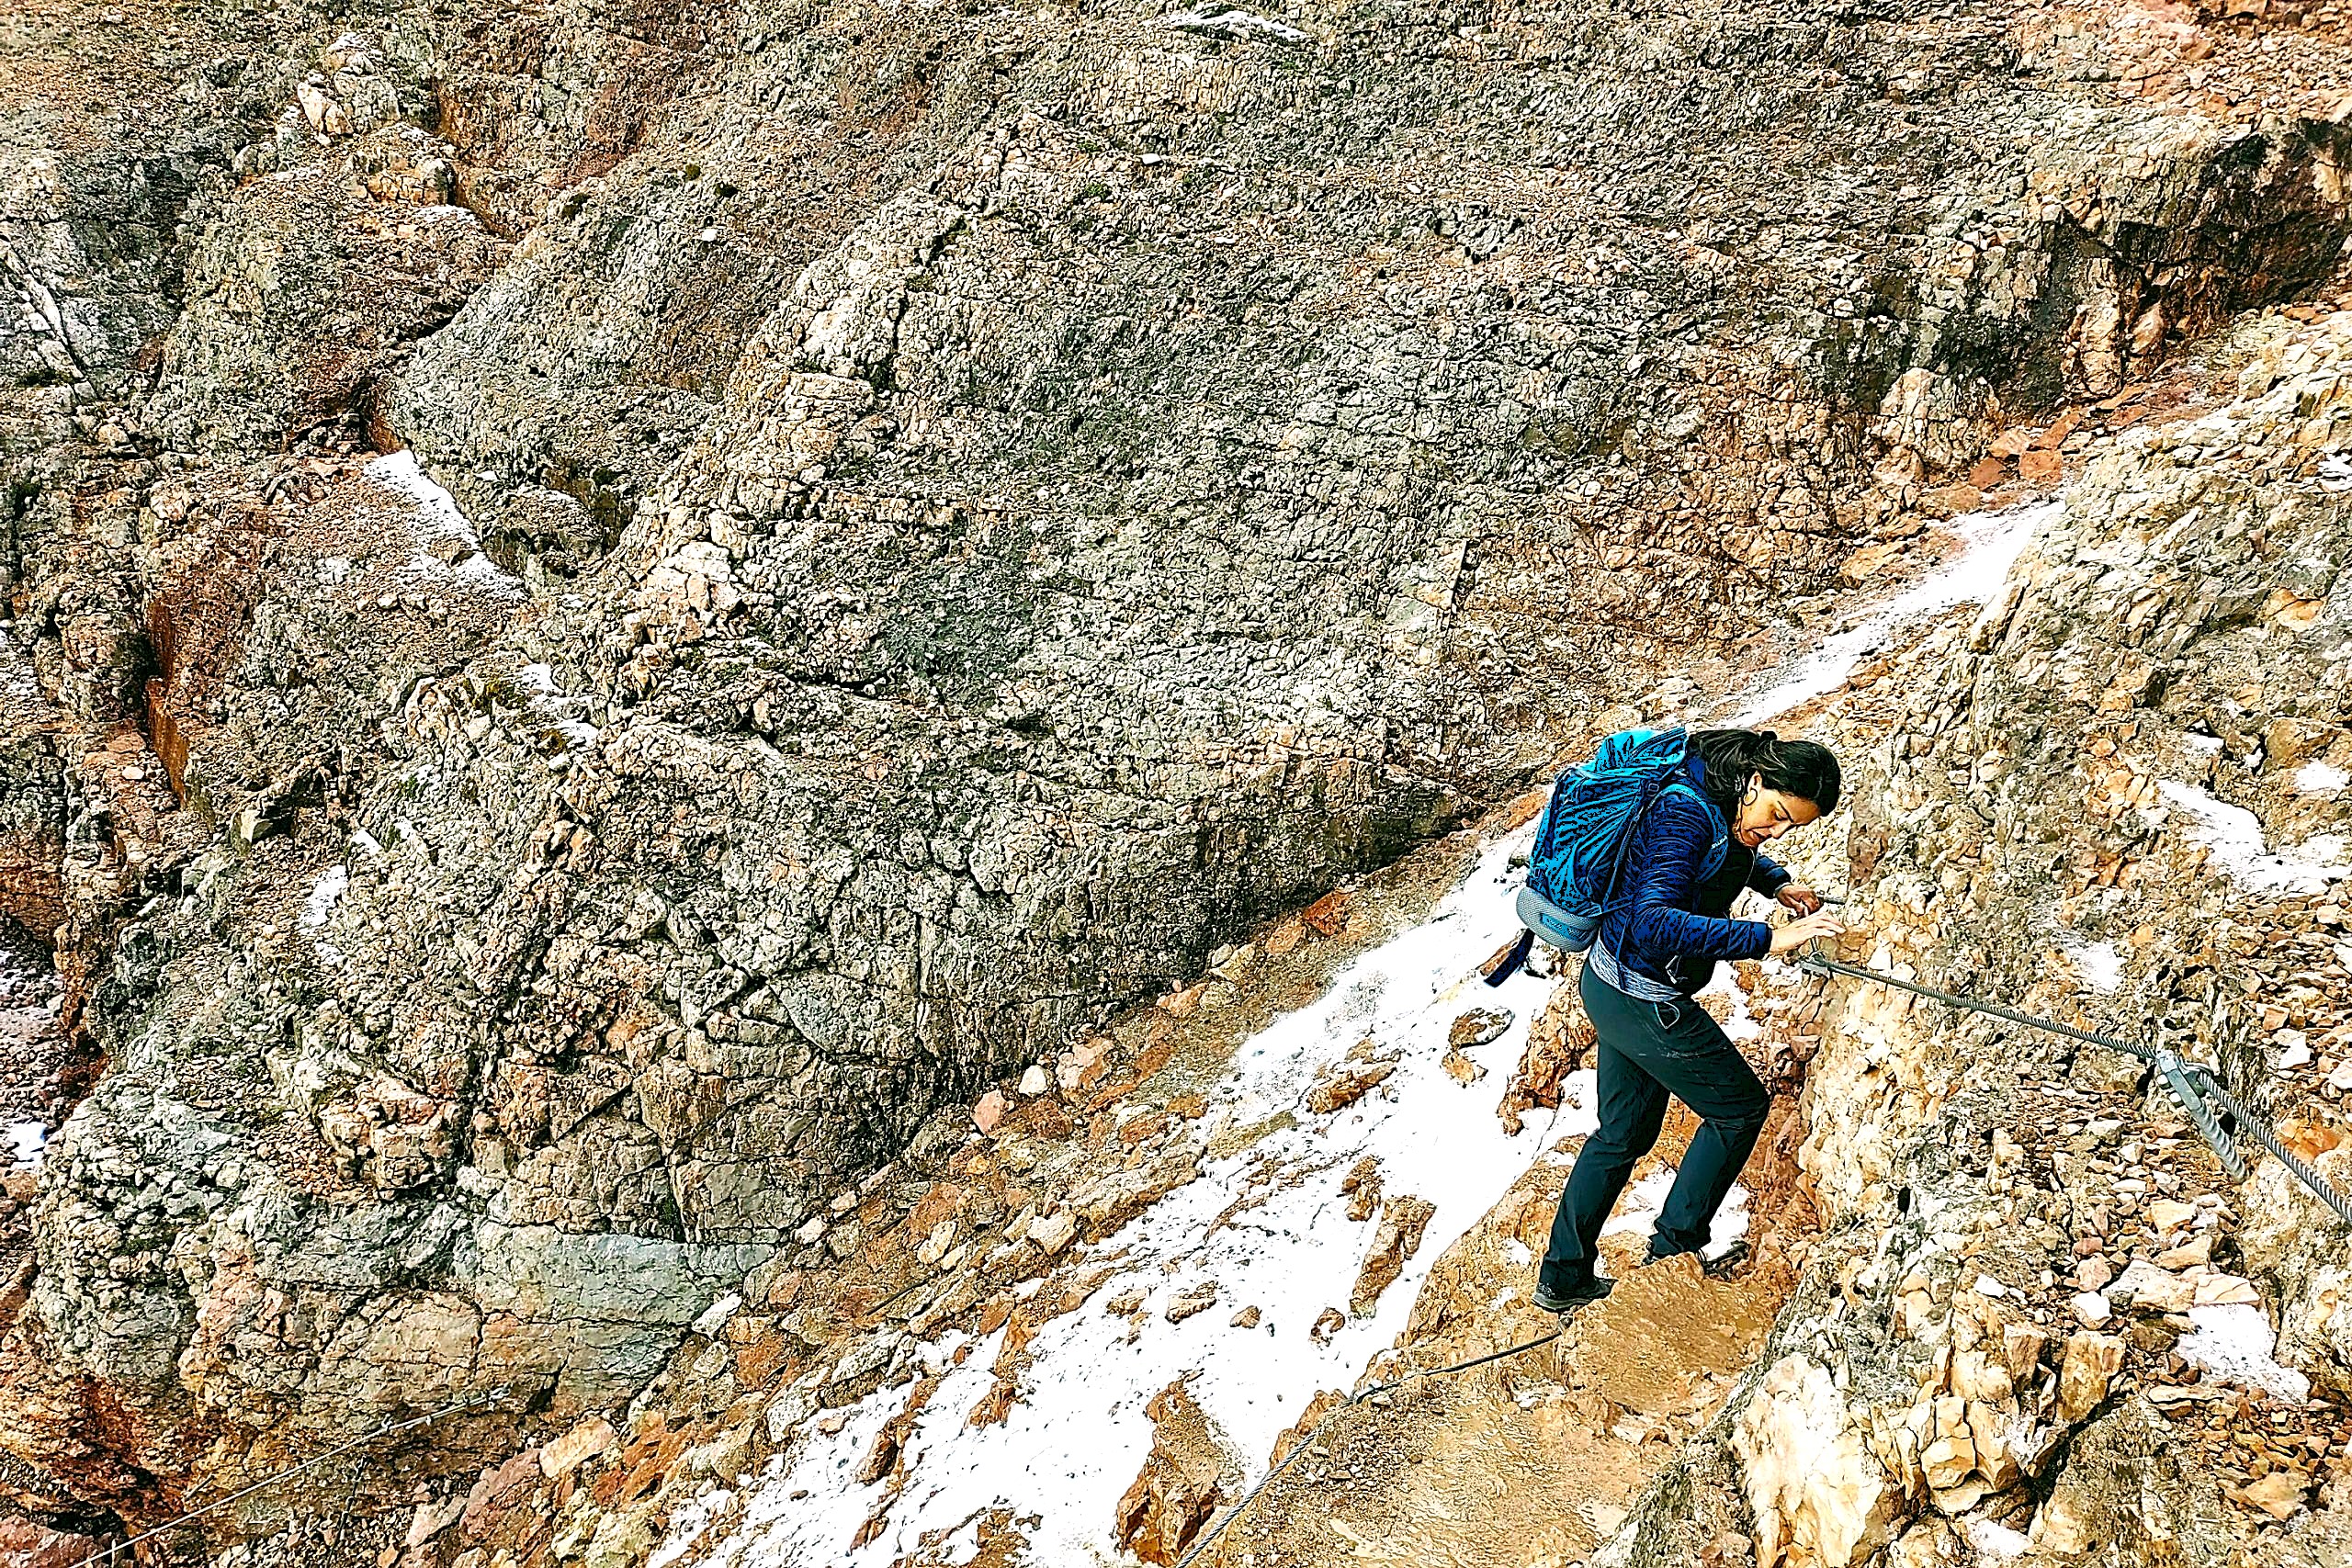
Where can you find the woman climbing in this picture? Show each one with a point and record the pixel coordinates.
(1693, 850)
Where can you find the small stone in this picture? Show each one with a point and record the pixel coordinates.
(989, 1111)
(1054, 1232)
(2089, 1367)
(2092, 1309)
(1191, 1301)
(2194, 1254)
(1461, 1068)
(2278, 1494)
(2213, 1288)
(1478, 1026)
(2151, 1288)
(1246, 1318)
(1034, 1081)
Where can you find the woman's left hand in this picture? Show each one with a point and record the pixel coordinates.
(1803, 900)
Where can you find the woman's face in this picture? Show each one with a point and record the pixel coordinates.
(1766, 814)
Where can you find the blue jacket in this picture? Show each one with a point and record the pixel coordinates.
(1664, 921)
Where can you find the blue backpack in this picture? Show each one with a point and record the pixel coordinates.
(1583, 838)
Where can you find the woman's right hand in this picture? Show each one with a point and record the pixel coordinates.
(1796, 934)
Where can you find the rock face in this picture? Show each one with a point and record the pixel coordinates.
(607, 611)
(2114, 796)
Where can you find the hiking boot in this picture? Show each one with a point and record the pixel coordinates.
(1718, 1267)
(1590, 1289)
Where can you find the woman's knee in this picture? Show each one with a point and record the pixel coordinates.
(1744, 1115)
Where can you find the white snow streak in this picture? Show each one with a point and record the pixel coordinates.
(2235, 836)
(324, 894)
(2321, 778)
(1079, 1435)
(2100, 963)
(2235, 1344)
(1991, 540)
(549, 701)
(438, 521)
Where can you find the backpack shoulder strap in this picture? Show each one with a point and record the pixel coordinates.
(1719, 843)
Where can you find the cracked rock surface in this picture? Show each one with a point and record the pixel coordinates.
(611, 614)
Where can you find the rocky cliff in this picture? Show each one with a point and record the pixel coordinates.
(612, 613)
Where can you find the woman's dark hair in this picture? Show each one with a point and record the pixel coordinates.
(1803, 768)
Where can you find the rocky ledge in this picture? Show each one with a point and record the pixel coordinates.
(611, 617)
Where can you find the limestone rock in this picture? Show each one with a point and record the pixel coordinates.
(1820, 1496)
(1178, 1487)
(1345, 1084)
(1361, 1187)
(1403, 1218)
(583, 1442)
(1191, 1300)
(2083, 1376)
(1478, 1026)
(1558, 1042)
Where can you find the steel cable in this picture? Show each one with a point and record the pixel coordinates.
(2189, 1081)
(454, 1407)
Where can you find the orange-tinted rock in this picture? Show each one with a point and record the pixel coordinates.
(1402, 1221)
(24, 1544)
(500, 1490)
(1347, 1084)
(1327, 916)
(1558, 1043)
(583, 1442)
(1177, 1489)
(1361, 1187)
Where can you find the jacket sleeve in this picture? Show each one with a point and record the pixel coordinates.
(1669, 847)
(1768, 875)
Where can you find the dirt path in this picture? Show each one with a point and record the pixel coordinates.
(1534, 1459)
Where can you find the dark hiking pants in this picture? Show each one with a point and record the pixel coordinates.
(1647, 1050)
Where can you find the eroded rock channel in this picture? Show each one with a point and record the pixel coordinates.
(770, 744)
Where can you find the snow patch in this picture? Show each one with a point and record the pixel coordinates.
(1078, 1433)
(1227, 21)
(319, 907)
(2321, 778)
(438, 521)
(2100, 963)
(25, 1142)
(325, 894)
(1992, 542)
(1996, 1541)
(1741, 1025)
(549, 702)
(2236, 1344)
(2233, 834)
